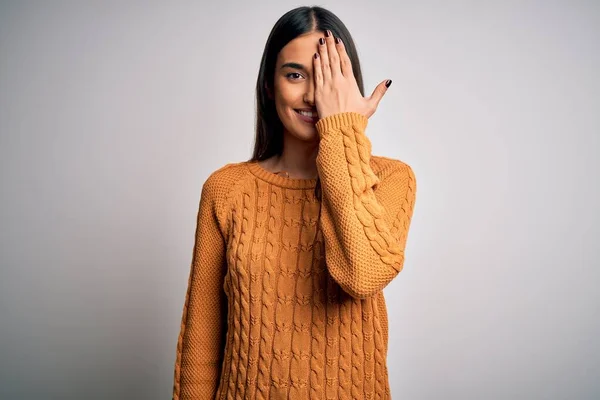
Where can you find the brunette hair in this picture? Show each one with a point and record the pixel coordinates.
(299, 21)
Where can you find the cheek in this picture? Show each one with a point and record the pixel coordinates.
(289, 95)
(285, 108)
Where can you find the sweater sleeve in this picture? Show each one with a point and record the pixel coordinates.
(201, 341)
(365, 217)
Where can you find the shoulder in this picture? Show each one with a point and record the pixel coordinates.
(226, 176)
(222, 182)
(219, 186)
(385, 167)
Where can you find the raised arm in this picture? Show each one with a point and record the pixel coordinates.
(365, 217)
(202, 337)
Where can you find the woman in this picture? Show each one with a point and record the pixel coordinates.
(294, 246)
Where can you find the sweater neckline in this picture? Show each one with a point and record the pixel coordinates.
(279, 180)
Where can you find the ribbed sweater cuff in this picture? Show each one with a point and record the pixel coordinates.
(334, 122)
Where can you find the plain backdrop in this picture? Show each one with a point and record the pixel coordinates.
(112, 115)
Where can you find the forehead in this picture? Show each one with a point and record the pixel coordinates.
(301, 48)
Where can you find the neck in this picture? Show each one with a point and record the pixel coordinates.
(298, 158)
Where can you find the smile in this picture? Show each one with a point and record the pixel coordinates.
(307, 116)
(307, 113)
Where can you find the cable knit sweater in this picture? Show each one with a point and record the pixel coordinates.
(284, 305)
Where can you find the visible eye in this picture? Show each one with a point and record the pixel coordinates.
(292, 73)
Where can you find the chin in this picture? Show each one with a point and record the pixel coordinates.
(305, 132)
(299, 129)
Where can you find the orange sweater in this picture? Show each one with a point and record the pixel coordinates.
(280, 305)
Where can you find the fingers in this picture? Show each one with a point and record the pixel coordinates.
(345, 62)
(334, 58)
(378, 93)
(318, 70)
(324, 58)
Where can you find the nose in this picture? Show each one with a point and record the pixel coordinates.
(309, 93)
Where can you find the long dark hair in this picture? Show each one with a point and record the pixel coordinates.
(301, 20)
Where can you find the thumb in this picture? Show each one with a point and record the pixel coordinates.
(379, 91)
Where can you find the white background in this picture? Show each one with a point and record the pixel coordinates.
(112, 115)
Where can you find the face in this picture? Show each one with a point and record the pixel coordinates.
(294, 86)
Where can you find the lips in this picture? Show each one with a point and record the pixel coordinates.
(306, 118)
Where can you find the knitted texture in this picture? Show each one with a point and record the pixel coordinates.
(281, 304)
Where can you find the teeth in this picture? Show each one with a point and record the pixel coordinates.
(307, 113)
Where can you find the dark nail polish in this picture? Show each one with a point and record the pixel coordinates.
(337, 40)
(321, 40)
(388, 83)
(327, 33)
(316, 55)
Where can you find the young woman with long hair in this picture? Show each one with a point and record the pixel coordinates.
(294, 246)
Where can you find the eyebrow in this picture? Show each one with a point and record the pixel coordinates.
(293, 65)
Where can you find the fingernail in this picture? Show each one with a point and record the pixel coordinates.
(337, 40)
(388, 83)
(321, 40)
(316, 55)
(327, 33)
